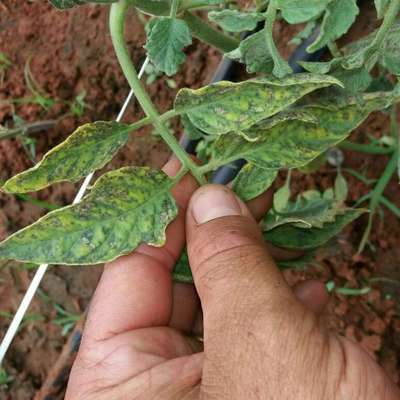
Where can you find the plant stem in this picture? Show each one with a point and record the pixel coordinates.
(117, 24)
(148, 120)
(208, 35)
(281, 67)
(365, 148)
(334, 50)
(174, 8)
(389, 19)
(27, 129)
(196, 4)
(376, 196)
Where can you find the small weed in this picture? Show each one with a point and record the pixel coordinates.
(65, 319)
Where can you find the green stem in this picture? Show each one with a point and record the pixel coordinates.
(148, 120)
(388, 21)
(365, 148)
(196, 4)
(390, 17)
(376, 196)
(117, 24)
(334, 50)
(208, 35)
(27, 129)
(174, 8)
(390, 206)
(281, 67)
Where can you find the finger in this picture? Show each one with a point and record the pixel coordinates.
(135, 291)
(260, 205)
(228, 257)
(185, 307)
(313, 295)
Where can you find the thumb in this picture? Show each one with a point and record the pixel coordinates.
(232, 270)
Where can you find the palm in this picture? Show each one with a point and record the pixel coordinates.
(135, 344)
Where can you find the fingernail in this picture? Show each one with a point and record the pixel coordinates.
(213, 201)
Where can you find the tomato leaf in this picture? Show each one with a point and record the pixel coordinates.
(236, 21)
(294, 143)
(253, 181)
(123, 209)
(89, 148)
(338, 18)
(190, 130)
(297, 11)
(254, 52)
(292, 237)
(310, 210)
(166, 39)
(223, 107)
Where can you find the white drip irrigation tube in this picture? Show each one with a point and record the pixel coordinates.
(30, 293)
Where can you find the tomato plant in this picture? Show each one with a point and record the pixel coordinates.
(275, 120)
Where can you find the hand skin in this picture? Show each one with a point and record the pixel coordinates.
(262, 339)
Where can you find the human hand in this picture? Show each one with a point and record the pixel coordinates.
(262, 340)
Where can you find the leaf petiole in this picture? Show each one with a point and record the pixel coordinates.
(117, 24)
(174, 8)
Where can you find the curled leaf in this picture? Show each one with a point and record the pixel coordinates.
(123, 209)
(223, 107)
(252, 181)
(254, 52)
(236, 21)
(294, 143)
(89, 148)
(291, 237)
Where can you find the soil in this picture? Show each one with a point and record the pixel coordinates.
(71, 52)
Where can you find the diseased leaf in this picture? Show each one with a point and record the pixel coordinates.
(253, 134)
(64, 4)
(354, 80)
(123, 209)
(297, 11)
(314, 165)
(282, 196)
(89, 148)
(359, 52)
(310, 210)
(223, 107)
(182, 271)
(253, 181)
(166, 38)
(338, 18)
(292, 143)
(236, 21)
(291, 237)
(254, 52)
(190, 130)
